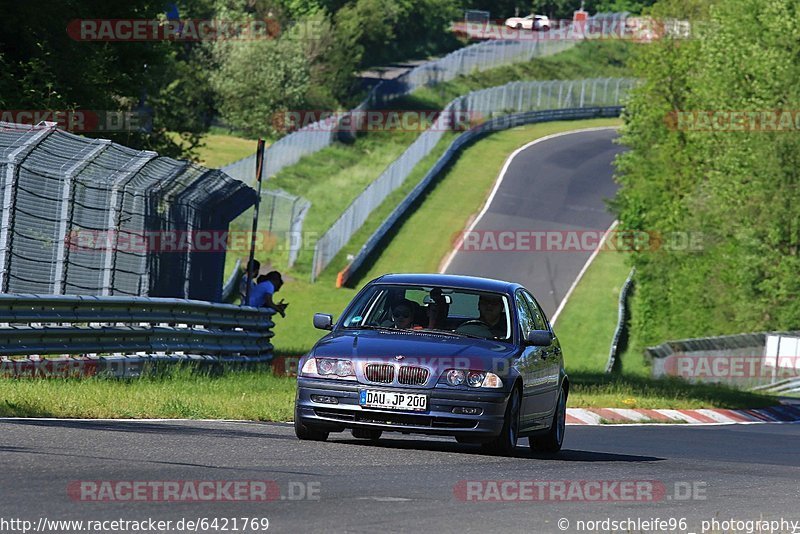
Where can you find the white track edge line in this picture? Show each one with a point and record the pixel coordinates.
(499, 181)
(581, 273)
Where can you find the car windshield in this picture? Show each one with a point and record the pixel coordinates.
(455, 311)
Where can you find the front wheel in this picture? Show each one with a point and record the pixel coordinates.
(506, 442)
(551, 442)
(305, 433)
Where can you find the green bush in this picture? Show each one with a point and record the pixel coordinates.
(737, 192)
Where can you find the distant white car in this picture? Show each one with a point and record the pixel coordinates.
(531, 22)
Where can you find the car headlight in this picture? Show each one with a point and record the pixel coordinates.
(475, 378)
(329, 368)
(326, 366)
(472, 378)
(455, 377)
(344, 368)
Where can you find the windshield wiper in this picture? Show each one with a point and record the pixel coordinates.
(443, 332)
(373, 327)
(472, 336)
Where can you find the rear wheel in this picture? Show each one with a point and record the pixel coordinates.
(365, 433)
(506, 442)
(551, 442)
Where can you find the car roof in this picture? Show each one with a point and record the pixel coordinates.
(448, 280)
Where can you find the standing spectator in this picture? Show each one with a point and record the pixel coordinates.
(255, 266)
(262, 295)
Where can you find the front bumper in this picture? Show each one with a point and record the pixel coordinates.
(438, 419)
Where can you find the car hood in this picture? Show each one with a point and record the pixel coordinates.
(435, 352)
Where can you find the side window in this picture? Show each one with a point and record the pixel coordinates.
(538, 315)
(526, 323)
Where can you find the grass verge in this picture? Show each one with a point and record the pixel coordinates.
(179, 393)
(220, 149)
(599, 390)
(587, 323)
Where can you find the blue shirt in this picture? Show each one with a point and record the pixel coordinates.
(258, 295)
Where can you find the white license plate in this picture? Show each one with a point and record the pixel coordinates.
(391, 400)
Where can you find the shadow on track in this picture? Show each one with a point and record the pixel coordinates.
(566, 455)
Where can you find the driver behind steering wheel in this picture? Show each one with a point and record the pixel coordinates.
(492, 318)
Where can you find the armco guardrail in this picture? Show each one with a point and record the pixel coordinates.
(120, 335)
(619, 331)
(742, 360)
(782, 387)
(505, 99)
(500, 123)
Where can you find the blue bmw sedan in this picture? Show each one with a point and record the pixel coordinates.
(460, 356)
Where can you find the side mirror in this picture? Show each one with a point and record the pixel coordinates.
(323, 321)
(539, 338)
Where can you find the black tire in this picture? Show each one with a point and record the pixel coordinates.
(308, 434)
(366, 433)
(519, 26)
(550, 443)
(506, 442)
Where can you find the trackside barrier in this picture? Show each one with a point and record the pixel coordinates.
(121, 335)
(758, 360)
(497, 124)
(621, 328)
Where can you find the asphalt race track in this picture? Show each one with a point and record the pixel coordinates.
(655, 478)
(403, 484)
(556, 186)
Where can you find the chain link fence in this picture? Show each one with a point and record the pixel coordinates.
(86, 216)
(514, 97)
(480, 56)
(282, 214)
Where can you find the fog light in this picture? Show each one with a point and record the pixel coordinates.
(324, 399)
(467, 410)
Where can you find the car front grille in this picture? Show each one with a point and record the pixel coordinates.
(380, 372)
(415, 376)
